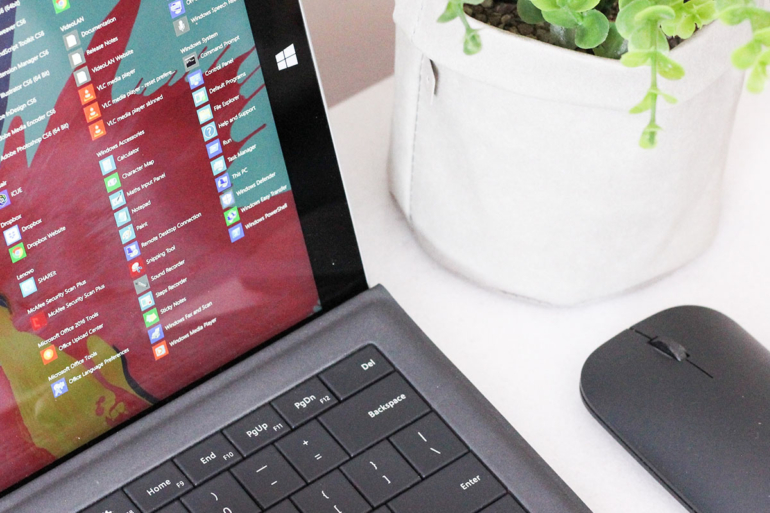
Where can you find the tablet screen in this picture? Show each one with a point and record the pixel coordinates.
(150, 223)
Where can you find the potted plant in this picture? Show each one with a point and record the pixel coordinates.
(520, 167)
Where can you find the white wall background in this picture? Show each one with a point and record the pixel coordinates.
(354, 42)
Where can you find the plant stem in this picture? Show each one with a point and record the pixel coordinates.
(654, 67)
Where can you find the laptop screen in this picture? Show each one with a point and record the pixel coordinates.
(169, 199)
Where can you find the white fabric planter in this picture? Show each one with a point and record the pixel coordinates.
(520, 169)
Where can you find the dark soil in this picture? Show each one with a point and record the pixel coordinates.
(504, 15)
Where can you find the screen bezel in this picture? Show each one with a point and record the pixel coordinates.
(305, 136)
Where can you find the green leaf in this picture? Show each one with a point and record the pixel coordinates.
(723, 5)
(546, 5)
(733, 15)
(686, 27)
(582, 5)
(669, 99)
(757, 79)
(649, 138)
(745, 56)
(614, 46)
(655, 13)
(593, 31)
(562, 18)
(635, 59)
(623, 3)
(763, 36)
(648, 39)
(453, 10)
(471, 2)
(668, 68)
(529, 12)
(647, 104)
(472, 44)
(626, 22)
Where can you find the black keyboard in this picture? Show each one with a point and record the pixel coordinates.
(357, 438)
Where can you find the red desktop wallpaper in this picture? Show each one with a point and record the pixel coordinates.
(216, 299)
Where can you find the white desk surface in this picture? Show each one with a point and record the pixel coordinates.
(527, 358)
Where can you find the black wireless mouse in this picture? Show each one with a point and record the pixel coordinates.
(687, 392)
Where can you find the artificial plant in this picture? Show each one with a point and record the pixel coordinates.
(639, 36)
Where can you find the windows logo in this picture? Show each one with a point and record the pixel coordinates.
(287, 58)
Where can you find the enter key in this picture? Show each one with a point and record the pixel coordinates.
(465, 486)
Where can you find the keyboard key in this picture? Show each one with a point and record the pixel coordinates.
(305, 402)
(505, 505)
(356, 372)
(222, 493)
(207, 459)
(284, 507)
(428, 444)
(332, 494)
(158, 487)
(372, 415)
(115, 503)
(465, 486)
(312, 451)
(257, 430)
(383, 509)
(175, 507)
(268, 477)
(380, 473)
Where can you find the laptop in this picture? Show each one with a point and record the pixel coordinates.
(185, 323)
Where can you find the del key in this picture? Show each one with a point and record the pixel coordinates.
(377, 412)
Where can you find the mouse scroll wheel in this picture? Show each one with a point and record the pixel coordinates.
(668, 347)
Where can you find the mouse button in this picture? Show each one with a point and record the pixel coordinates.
(670, 348)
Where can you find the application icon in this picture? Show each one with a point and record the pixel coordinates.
(147, 301)
(227, 199)
(12, 235)
(156, 334)
(122, 217)
(18, 252)
(49, 354)
(200, 97)
(214, 148)
(28, 287)
(137, 268)
(112, 183)
(190, 61)
(87, 94)
(77, 58)
(127, 234)
(232, 216)
(209, 131)
(223, 183)
(38, 321)
(5, 199)
(151, 317)
(160, 351)
(71, 40)
(195, 79)
(142, 285)
(219, 166)
(205, 114)
(132, 251)
(97, 130)
(82, 77)
(236, 232)
(61, 5)
(59, 388)
(92, 112)
(176, 8)
(107, 165)
(117, 200)
(181, 26)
